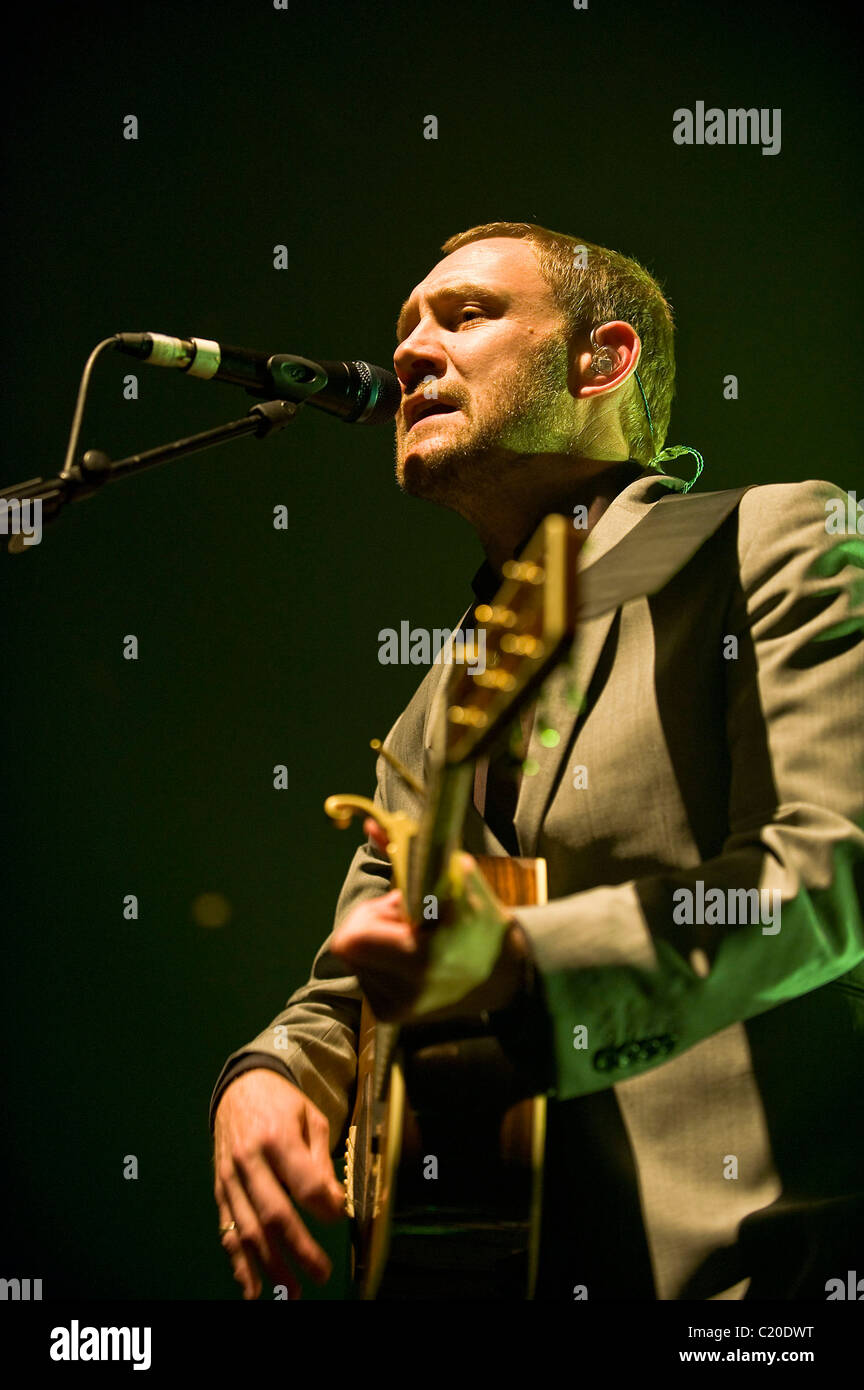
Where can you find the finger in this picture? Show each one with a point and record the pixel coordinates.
(239, 1242)
(377, 834)
(243, 1272)
(308, 1174)
(261, 1249)
(318, 1135)
(382, 947)
(382, 958)
(387, 900)
(387, 907)
(278, 1221)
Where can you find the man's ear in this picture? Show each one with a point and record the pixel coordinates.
(602, 366)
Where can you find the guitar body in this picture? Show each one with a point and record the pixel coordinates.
(444, 1161)
(445, 1151)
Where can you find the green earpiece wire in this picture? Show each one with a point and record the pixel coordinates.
(675, 451)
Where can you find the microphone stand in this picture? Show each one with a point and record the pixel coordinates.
(90, 473)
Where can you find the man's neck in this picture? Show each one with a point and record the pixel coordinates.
(509, 517)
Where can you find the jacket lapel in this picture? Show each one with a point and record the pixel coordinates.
(612, 569)
(559, 704)
(612, 527)
(563, 699)
(615, 565)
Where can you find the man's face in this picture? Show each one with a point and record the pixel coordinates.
(484, 327)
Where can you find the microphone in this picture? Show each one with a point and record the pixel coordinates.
(355, 392)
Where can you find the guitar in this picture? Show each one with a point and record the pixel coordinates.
(444, 1159)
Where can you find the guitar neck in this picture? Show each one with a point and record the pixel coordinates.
(524, 630)
(439, 836)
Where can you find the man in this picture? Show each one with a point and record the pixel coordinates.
(702, 1063)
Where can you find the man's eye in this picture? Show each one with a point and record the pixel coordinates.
(468, 309)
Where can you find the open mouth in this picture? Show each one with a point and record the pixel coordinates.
(433, 408)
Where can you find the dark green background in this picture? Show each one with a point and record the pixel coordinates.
(259, 647)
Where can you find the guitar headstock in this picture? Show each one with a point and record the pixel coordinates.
(518, 639)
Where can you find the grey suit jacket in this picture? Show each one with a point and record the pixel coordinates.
(720, 747)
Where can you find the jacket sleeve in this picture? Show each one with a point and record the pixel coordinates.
(623, 960)
(242, 1062)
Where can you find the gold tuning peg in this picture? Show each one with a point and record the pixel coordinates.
(399, 828)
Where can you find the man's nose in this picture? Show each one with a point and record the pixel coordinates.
(419, 355)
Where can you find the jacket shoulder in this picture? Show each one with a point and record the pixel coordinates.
(772, 507)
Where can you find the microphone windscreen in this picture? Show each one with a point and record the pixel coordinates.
(389, 396)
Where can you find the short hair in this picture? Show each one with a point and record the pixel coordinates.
(606, 286)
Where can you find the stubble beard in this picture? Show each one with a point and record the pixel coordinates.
(523, 419)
